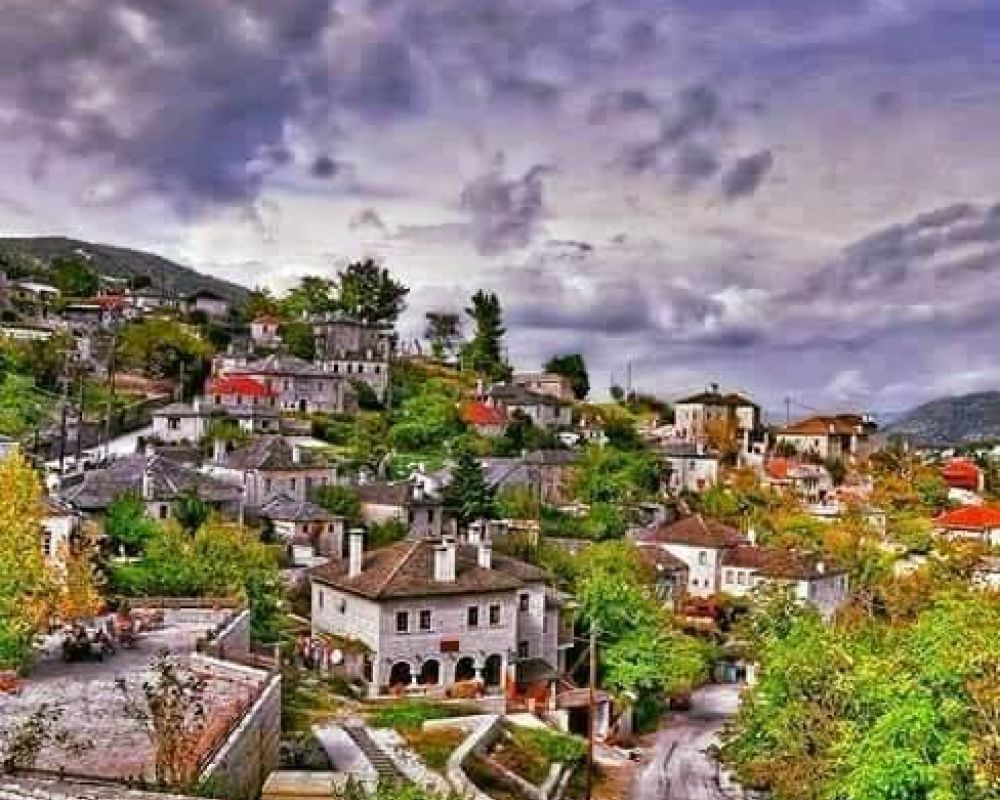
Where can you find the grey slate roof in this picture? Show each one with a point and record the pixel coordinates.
(280, 364)
(283, 507)
(406, 569)
(100, 488)
(511, 394)
(270, 454)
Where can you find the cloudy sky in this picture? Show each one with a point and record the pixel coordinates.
(793, 197)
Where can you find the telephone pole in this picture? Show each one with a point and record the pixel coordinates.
(592, 710)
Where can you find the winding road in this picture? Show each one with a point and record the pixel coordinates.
(680, 768)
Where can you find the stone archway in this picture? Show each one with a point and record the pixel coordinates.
(493, 670)
(430, 673)
(400, 674)
(465, 669)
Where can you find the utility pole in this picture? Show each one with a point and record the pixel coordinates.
(788, 411)
(79, 424)
(62, 423)
(591, 710)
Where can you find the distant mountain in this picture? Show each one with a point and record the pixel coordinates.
(37, 253)
(952, 420)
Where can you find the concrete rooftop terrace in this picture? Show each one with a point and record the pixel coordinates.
(93, 707)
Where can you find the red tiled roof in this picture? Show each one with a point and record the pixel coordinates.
(694, 530)
(476, 413)
(773, 563)
(971, 518)
(841, 425)
(960, 468)
(247, 387)
(266, 319)
(109, 301)
(777, 468)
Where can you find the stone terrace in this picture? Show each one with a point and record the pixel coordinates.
(93, 707)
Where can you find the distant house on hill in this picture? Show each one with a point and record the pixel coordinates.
(978, 523)
(961, 473)
(713, 414)
(485, 419)
(543, 410)
(264, 330)
(297, 385)
(548, 383)
(209, 303)
(841, 436)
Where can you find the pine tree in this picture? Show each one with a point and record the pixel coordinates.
(484, 353)
(469, 496)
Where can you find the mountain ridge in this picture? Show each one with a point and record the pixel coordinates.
(38, 252)
(953, 419)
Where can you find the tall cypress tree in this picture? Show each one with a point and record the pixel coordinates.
(469, 496)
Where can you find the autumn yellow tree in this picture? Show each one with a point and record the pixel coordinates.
(26, 582)
(80, 586)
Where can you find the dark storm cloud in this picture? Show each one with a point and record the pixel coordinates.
(614, 104)
(504, 213)
(693, 164)
(324, 167)
(367, 218)
(746, 174)
(518, 90)
(698, 109)
(382, 81)
(188, 99)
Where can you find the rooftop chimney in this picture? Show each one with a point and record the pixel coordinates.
(444, 561)
(296, 454)
(475, 534)
(356, 552)
(485, 554)
(147, 474)
(713, 388)
(218, 451)
(820, 567)
(752, 536)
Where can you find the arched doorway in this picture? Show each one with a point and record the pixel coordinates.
(430, 673)
(493, 670)
(400, 674)
(465, 669)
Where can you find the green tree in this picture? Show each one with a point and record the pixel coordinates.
(190, 511)
(468, 494)
(484, 353)
(609, 475)
(369, 293)
(574, 368)
(443, 331)
(299, 339)
(261, 302)
(427, 419)
(163, 348)
(127, 525)
(312, 295)
(73, 277)
(341, 501)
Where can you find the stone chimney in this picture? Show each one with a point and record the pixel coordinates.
(444, 561)
(418, 490)
(485, 554)
(356, 553)
(752, 536)
(820, 567)
(147, 473)
(218, 451)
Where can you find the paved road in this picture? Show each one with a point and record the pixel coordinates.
(679, 768)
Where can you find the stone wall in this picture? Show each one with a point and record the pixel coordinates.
(232, 640)
(250, 752)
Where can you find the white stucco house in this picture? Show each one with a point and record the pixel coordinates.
(977, 523)
(431, 613)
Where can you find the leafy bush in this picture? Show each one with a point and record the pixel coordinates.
(409, 715)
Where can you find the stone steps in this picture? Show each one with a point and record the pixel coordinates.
(377, 757)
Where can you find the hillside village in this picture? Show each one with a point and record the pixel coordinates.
(350, 557)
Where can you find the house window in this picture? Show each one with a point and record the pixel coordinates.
(522, 602)
(425, 620)
(729, 576)
(522, 649)
(378, 369)
(342, 606)
(472, 616)
(267, 484)
(350, 369)
(174, 423)
(218, 400)
(164, 511)
(336, 368)
(703, 557)
(741, 578)
(495, 614)
(402, 622)
(291, 483)
(319, 596)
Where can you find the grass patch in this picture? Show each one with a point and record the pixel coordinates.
(435, 746)
(531, 752)
(410, 715)
(309, 698)
(489, 780)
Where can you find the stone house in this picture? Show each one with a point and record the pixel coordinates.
(271, 466)
(811, 483)
(543, 410)
(690, 466)
(408, 501)
(60, 524)
(354, 350)
(843, 436)
(264, 331)
(183, 422)
(670, 575)
(976, 523)
(720, 560)
(432, 613)
(547, 383)
(298, 385)
(484, 419)
(309, 531)
(699, 543)
(209, 303)
(711, 414)
(158, 480)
